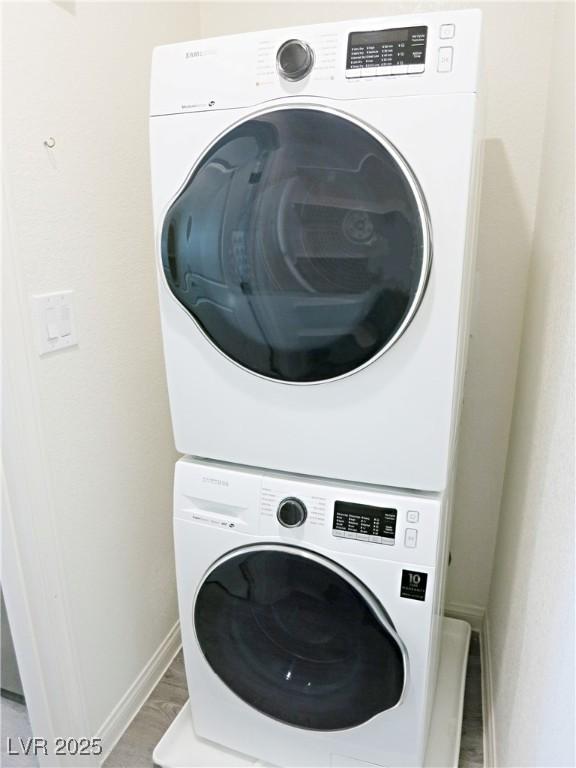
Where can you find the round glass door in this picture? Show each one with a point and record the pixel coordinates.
(299, 638)
(299, 245)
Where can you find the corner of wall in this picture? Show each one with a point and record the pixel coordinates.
(489, 731)
(473, 614)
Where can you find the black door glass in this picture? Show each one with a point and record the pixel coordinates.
(297, 245)
(296, 641)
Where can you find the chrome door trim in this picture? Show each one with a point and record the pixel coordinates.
(423, 211)
(366, 594)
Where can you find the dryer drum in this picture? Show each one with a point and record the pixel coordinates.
(290, 634)
(298, 245)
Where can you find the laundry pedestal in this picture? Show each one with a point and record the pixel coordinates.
(181, 748)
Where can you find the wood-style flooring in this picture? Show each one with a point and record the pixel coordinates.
(15, 731)
(134, 750)
(472, 741)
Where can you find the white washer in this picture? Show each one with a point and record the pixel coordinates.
(313, 196)
(309, 614)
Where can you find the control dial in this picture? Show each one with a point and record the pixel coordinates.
(291, 512)
(294, 60)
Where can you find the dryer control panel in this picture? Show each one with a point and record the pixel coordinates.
(417, 54)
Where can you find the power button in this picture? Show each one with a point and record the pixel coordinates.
(447, 31)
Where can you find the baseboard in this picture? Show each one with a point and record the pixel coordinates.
(487, 696)
(130, 704)
(473, 614)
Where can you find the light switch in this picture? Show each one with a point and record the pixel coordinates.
(53, 315)
(52, 323)
(65, 320)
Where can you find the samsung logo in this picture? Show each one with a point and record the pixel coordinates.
(215, 481)
(197, 54)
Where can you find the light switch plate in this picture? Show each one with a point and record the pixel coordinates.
(53, 315)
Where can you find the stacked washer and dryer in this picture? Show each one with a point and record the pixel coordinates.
(314, 199)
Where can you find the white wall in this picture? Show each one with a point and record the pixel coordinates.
(89, 454)
(532, 603)
(515, 88)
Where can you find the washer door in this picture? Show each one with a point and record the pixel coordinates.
(299, 245)
(299, 638)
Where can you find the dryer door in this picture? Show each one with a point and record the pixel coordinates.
(299, 245)
(299, 638)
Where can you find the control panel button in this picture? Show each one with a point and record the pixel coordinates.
(410, 538)
(294, 60)
(445, 55)
(447, 31)
(291, 512)
(412, 516)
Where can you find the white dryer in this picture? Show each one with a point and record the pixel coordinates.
(309, 615)
(313, 196)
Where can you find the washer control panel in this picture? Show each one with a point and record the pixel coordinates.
(345, 518)
(399, 51)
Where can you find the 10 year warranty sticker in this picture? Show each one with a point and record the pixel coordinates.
(413, 585)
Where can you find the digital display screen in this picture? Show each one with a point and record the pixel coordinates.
(375, 38)
(365, 521)
(387, 48)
